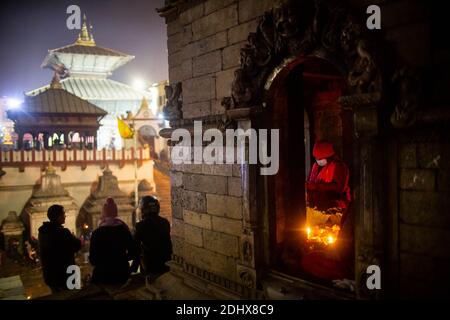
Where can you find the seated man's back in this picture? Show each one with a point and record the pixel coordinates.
(153, 233)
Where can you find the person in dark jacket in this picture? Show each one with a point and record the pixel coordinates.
(57, 247)
(111, 247)
(153, 235)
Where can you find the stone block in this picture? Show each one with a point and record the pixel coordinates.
(176, 195)
(434, 155)
(443, 180)
(212, 43)
(234, 187)
(250, 9)
(417, 179)
(231, 55)
(214, 5)
(196, 109)
(174, 42)
(196, 219)
(224, 80)
(199, 89)
(215, 22)
(217, 169)
(186, 69)
(177, 245)
(242, 31)
(431, 242)
(194, 201)
(193, 235)
(177, 228)
(408, 155)
(175, 59)
(221, 243)
(225, 225)
(225, 206)
(174, 27)
(176, 179)
(203, 183)
(217, 107)
(425, 208)
(208, 63)
(236, 170)
(176, 74)
(208, 260)
(192, 14)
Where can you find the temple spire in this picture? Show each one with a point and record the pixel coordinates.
(144, 104)
(55, 84)
(85, 38)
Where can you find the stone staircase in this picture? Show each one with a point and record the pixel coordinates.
(162, 181)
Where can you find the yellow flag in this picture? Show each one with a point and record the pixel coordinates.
(124, 129)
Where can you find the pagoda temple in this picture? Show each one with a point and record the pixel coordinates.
(56, 117)
(84, 69)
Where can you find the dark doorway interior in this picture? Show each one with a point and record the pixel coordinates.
(303, 104)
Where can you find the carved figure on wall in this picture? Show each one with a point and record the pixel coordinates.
(172, 110)
(407, 97)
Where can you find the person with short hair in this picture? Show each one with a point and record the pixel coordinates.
(57, 246)
(152, 233)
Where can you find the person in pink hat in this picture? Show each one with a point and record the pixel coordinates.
(112, 246)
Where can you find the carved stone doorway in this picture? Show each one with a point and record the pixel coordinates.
(303, 103)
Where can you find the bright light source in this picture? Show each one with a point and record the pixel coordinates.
(13, 103)
(139, 84)
(161, 115)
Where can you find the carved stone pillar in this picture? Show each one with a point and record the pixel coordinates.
(367, 179)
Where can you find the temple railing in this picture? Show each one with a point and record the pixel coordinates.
(24, 158)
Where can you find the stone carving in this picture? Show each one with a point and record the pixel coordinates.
(172, 110)
(364, 77)
(407, 92)
(288, 30)
(247, 279)
(247, 251)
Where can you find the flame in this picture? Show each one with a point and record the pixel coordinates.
(322, 235)
(330, 239)
(308, 232)
(85, 226)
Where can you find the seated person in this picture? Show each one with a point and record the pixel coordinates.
(153, 235)
(328, 190)
(111, 247)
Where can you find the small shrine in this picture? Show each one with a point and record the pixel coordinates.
(108, 186)
(12, 229)
(49, 192)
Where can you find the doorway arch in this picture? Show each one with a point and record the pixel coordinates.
(303, 103)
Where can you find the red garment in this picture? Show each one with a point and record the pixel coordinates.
(323, 150)
(319, 265)
(327, 186)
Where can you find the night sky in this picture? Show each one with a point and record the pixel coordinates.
(29, 28)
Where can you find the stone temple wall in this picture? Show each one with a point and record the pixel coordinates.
(204, 45)
(204, 42)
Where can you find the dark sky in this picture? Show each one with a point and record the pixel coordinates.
(29, 28)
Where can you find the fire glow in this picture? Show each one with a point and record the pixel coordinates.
(322, 235)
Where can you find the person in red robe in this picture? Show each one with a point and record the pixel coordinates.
(328, 188)
(328, 183)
